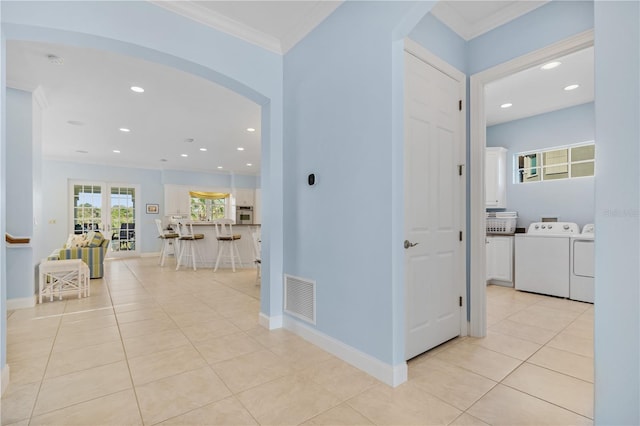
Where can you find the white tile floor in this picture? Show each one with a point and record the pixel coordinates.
(157, 346)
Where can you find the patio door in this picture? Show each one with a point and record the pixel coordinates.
(111, 208)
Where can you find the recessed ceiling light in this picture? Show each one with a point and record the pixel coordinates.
(189, 140)
(550, 65)
(137, 89)
(184, 155)
(571, 87)
(57, 60)
(219, 167)
(125, 130)
(507, 105)
(249, 164)
(75, 123)
(203, 149)
(82, 151)
(250, 129)
(117, 151)
(240, 148)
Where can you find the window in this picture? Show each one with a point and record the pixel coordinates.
(556, 163)
(207, 206)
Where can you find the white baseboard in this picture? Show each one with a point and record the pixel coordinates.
(270, 323)
(392, 375)
(4, 379)
(22, 302)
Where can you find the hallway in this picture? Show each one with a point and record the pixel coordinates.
(157, 346)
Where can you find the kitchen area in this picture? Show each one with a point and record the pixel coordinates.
(201, 205)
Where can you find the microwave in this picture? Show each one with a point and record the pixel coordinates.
(244, 215)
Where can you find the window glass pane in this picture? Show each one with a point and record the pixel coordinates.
(529, 167)
(554, 175)
(582, 153)
(555, 162)
(582, 169)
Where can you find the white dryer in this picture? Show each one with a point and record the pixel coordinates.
(582, 265)
(542, 258)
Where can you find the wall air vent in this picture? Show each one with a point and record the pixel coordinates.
(300, 298)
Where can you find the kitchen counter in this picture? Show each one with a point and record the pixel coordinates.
(208, 247)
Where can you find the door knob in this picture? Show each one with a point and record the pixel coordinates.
(408, 244)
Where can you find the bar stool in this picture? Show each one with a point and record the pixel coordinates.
(167, 238)
(227, 239)
(187, 243)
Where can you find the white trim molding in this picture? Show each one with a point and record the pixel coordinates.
(270, 323)
(478, 326)
(392, 375)
(22, 302)
(4, 379)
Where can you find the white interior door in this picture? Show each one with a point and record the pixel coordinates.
(110, 208)
(434, 188)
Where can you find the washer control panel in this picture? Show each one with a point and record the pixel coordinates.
(554, 228)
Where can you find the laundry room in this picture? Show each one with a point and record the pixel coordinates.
(540, 166)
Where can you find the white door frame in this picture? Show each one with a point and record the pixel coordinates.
(426, 56)
(106, 193)
(478, 285)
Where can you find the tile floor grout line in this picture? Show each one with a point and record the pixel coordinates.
(44, 373)
(544, 400)
(124, 349)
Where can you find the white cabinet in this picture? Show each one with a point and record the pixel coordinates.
(500, 260)
(176, 200)
(244, 197)
(495, 177)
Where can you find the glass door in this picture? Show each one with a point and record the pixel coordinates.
(109, 208)
(122, 219)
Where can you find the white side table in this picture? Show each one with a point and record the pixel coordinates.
(63, 276)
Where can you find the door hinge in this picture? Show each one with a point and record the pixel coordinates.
(460, 166)
(460, 236)
(460, 301)
(460, 105)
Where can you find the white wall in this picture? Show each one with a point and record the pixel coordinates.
(570, 200)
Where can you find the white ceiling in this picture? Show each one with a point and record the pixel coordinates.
(92, 87)
(536, 91)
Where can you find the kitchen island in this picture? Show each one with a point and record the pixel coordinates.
(208, 247)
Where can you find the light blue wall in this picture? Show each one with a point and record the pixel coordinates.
(570, 200)
(441, 41)
(338, 97)
(617, 295)
(555, 21)
(3, 203)
(19, 163)
(19, 189)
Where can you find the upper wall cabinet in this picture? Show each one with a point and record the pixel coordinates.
(495, 178)
(244, 197)
(176, 200)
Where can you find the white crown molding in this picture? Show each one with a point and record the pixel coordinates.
(469, 30)
(210, 18)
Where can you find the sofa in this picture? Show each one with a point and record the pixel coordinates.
(90, 247)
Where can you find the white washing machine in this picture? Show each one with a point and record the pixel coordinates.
(542, 258)
(581, 285)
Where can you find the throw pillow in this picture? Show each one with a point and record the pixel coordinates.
(94, 239)
(78, 241)
(69, 243)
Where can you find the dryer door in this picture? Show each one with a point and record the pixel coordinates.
(583, 258)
